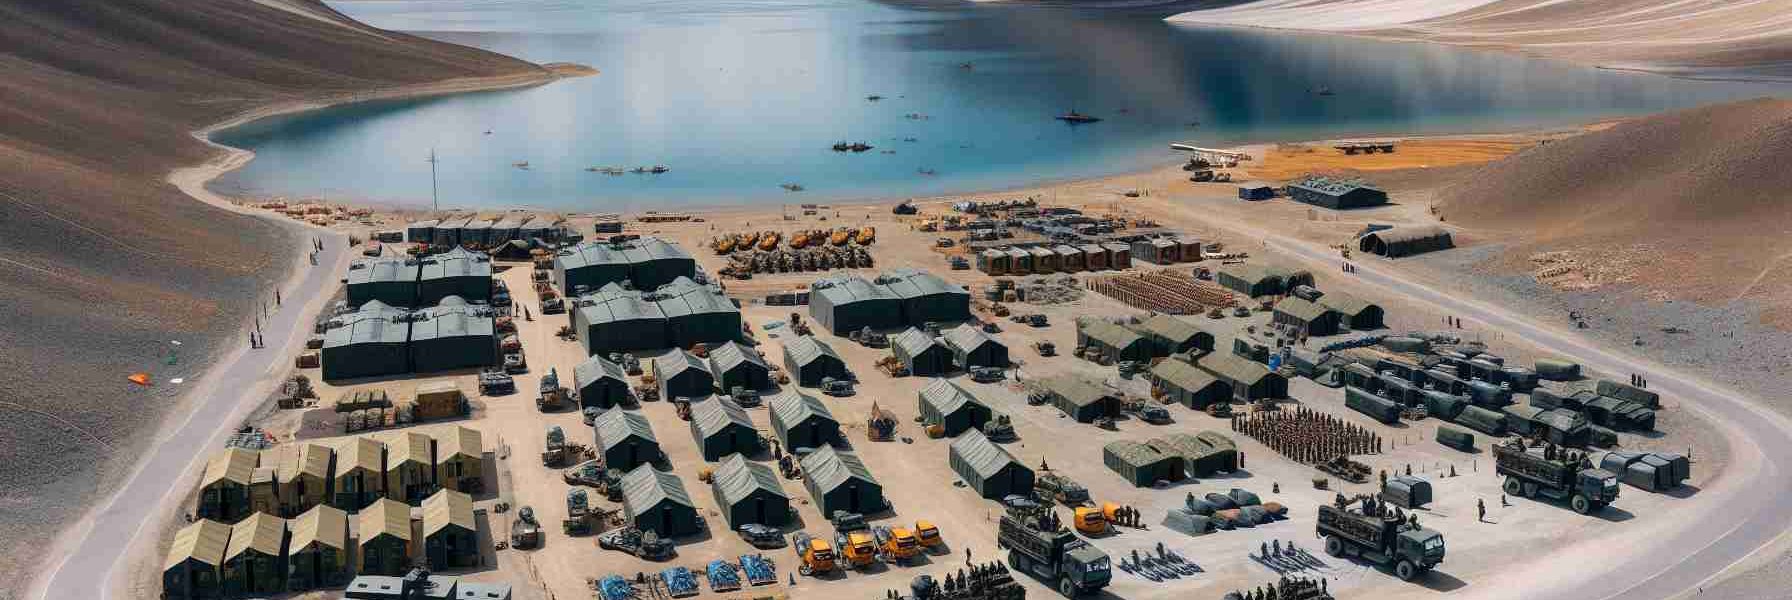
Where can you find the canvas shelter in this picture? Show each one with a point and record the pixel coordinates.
(1203, 454)
(1250, 380)
(1171, 335)
(453, 335)
(721, 427)
(846, 303)
(808, 361)
(1308, 317)
(988, 468)
(993, 261)
(1355, 314)
(600, 383)
(303, 474)
(838, 481)
(1113, 342)
(317, 554)
(255, 558)
(1081, 399)
(1188, 385)
(657, 502)
(383, 538)
(735, 365)
(749, 492)
(450, 535)
(457, 272)
(697, 314)
(1407, 491)
(802, 421)
(360, 474)
(224, 487)
(194, 565)
(971, 347)
(1335, 194)
(388, 279)
(625, 439)
(925, 297)
(921, 353)
(616, 320)
(369, 342)
(460, 459)
(1142, 465)
(410, 467)
(1405, 240)
(681, 374)
(955, 409)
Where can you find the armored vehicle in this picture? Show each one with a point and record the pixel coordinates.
(1060, 489)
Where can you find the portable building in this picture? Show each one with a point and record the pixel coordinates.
(1183, 383)
(1020, 261)
(802, 421)
(1250, 380)
(1142, 464)
(925, 298)
(921, 353)
(1336, 194)
(1119, 255)
(360, 473)
(992, 261)
(681, 374)
(255, 558)
(1405, 240)
(450, 535)
(721, 427)
(194, 566)
(1625, 391)
(808, 360)
(1483, 420)
(224, 487)
(460, 459)
(1378, 408)
(697, 314)
(457, 272)
(1203, 454)
(303, 474)
(625, 439)
(383, 538)
(749, 492)
(392, 280)
(838, 481)
(370, 342)
(1045, 261)
(734, 365)
(1190, 247)
(1112, 342)
(971, 347)
(476, 233)
(988, 468)
(1354, 313)
(600, 383)
(616, 320)
(453, 335)
(1159, 251)
(410, 467)
(1095, 257)
(657, 502)
(956, 410)
(1080, 398)
(317, 554)
(1070, 258)
(1307, 317)
(439, 400)
(421, 232)
(1171, 335)
(1406, 491)
(847, 303)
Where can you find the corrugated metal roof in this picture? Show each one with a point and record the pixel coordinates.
(913, 283)
(447, 507)
(235, 465)
(791, 407)
(588, 254)
(738, 479)
(846, 289)
(458, 262)
(965, 338)
(260, 532)
(713, 415)
(374, 323)
(914, 341)
(645, 487)
(324, 524)
(984, 456)
(1183, 375)
(1300, 308)
(945, 396)
(203, 540)
(1106, 333)
(805, 349)
(731, 354)
(829, 468)
(385, 269)
(1343, 303)
(616, 425)
(385, 516)
(358, 452)
(1234, 367)
(405, 447)
(618, 306)
(453, 317)
(597, 367)
(1076, 390)
(459, 440)
(670, 364)
(1171, 328)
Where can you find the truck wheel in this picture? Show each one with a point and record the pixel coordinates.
(805, 570)
(1580, 504)
(1334, 546)
(1405, 570)
(1530, 490)
(1014, 562)
(1513, 487)
(1066, 588)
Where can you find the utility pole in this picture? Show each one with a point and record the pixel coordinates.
(435, 201)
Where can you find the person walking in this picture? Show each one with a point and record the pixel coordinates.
(1480, 510)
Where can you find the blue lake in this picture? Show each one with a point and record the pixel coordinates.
(740, 97)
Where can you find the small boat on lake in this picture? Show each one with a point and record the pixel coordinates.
(1077, 117)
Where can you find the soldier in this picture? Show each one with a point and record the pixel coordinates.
(967, 555)
(1263, 549)
(1480, 509)
(1277, 546)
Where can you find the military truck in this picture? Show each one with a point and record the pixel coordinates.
(1380, 537)
(896, 544)
(646, 545)
(1060, 489)
(525, 532)
(1554, 473)
(555, 451)
(815, 556)
(1038, 544)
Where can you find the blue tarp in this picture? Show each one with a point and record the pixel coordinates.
(722, 576)
(759, 570)
(615, 587)
(680, 583)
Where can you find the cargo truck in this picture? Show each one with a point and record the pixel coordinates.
(1378, 537)
(1555, 474)
(1039, 545)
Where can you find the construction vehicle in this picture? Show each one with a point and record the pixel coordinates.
(999, 428)
(892, 366)
(646, 545)
(866, 236)
(761, 536)
(1090, 520)
(555, 453)
(1060, 488)
(525, 532)
(551, 395)
(1378, 536)
(857, 548)
(1045, 348)
(896, 544)
(814, 555)
(928, 535)
(1039, 545)
(881, 425)
(1554, 473)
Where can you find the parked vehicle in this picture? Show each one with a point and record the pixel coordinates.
(1379, 537)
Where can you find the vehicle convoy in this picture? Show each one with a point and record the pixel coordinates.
(814, 555)
(1378, 536)
(1039, 545)
(1554, 473)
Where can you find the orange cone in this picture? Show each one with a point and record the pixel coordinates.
(141, 379)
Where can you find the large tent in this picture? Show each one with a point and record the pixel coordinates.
(318, 551)
(1203, 454)
(1306, 317)
(383, 537)
(457, 272)
(1081, 399)
(838, 481)
(955, 409)
(600, 383)
(1250, 380)
(625, 439)
(681, 374)
(360, 473)
(450, 534)
(721, 427)
(392, 280)
(1353, 312)
(657, 502)
(1171, 335)
(735, 365)
(921, 353)
(1405, 240)
(647, 262)
(802, 421)
(453, 335)
(1186, 384)
(749, 492)
(194, 565)
(697, 314)
(844, 304)
(1142, 465)
(809, 361)
(927, 298)
(1112, 342)
(988, 468)
(617, 320)
(252, 559)
(369, 342)
(971, 347)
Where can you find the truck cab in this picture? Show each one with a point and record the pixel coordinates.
(815, 554)
(897, 543)
(858, 548)
(928, 534)
(1090, 521)
(1599, 486)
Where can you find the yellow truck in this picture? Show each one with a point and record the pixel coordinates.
(897, 544)
(929, 535)
(1091, 521)
(814, 554)
(858, 548)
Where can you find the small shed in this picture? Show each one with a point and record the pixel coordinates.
(921, 353)
(1095, 257)
(1405, 240)
(318, 550)
(988, 468)
(410, 466)
(1045, 261)
(809, 361)
(1112, 342)
(360, 473)
(384, 538)
(721, 427)
(1070, 258)
(1081, 399)
(601, 384)
(802, 421)
(1142, 465)
(1020, 261)
(194, 566)
(1406, 491)
(1119, 255)
(955, 409)
(254, 560)
(460, 459)
(992, 262)
(224, 487)
(971, 347)
(749, 492)
(681, 374)
(1169, 334)
(457, 272)
(439, 400)
(625, 439)
(1183, 383)
(450, 535)
(735, 365)
(1159, 251)
(657, 502)
(838, 481)
(1308, 317)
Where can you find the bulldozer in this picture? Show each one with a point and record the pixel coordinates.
(881, 426)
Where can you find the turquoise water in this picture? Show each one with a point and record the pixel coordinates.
(740, 97)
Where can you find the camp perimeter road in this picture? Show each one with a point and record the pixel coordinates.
(226, 394)
(1752, 504)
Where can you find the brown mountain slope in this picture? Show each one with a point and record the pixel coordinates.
(101, 262)
(1699, 201)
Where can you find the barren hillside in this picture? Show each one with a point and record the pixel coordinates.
(1694, 204)
(101, 263)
